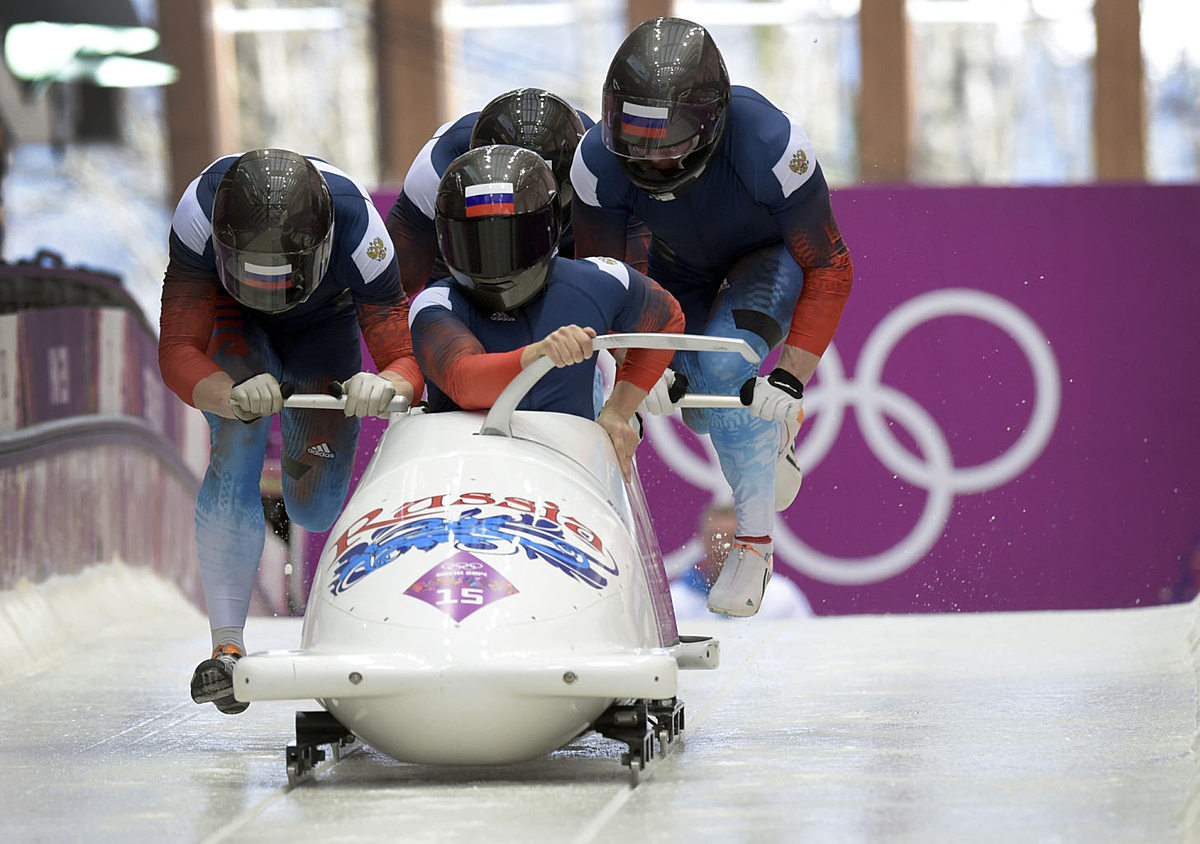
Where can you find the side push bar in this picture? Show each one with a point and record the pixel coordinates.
(499, 419)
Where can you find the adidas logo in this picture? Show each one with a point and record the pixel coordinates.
(321, 450)
(500, 316)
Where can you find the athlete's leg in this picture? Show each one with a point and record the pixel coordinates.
(319, 445)
(756, 305)
(230, 526)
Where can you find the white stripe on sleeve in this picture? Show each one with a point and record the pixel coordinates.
(429, 297)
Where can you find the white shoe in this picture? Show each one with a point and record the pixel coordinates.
(788, 476)
(747, 570)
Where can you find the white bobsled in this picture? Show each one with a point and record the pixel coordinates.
(492, 589)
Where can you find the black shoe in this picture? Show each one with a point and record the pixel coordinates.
(212, 681)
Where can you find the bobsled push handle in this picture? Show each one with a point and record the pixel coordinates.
(499, 419)
(317, 401)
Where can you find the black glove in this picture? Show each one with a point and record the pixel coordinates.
(779, 395)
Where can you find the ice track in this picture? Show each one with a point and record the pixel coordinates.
(1058, 726)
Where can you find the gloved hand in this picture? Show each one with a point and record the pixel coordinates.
(368, 394)
(667, 390)
(255, 397)
(779, 395)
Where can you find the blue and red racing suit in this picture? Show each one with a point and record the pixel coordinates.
(751, 250)
(469, 355)
(203, 330)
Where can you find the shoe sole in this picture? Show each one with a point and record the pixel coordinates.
(216, 687)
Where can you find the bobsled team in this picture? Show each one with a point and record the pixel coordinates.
(524, 230)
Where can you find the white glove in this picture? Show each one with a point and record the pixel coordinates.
(368, 394)
(255, 397)
(779, 396)
(667, 390)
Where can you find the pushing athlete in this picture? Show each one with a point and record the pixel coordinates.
(279, 267)
(744, 237)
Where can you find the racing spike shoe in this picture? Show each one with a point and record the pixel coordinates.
(212, 682)
(738, 592)
(787, 471)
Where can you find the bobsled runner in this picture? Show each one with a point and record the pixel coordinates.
(492, 590)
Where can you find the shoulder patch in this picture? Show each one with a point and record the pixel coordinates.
(374, 251)
(795, 166)
(614, 268)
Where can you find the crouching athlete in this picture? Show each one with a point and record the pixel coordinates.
(510, 299)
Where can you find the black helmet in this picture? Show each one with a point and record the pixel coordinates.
(272, 225)
(536, 120)
(496, 215)
(665, 99)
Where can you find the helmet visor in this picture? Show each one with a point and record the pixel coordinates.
(271, 282)
(659, 130)
(497, 247)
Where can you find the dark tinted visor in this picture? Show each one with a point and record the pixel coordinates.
(639, 128)
(497, 247)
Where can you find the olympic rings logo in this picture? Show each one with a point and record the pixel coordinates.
(874, 403)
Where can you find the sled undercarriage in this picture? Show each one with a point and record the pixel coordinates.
(634, 723)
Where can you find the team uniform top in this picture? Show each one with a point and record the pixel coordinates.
(469, 355)
(762, 186)
(410, 220)
(362, 273)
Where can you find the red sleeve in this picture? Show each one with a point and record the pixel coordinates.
(814, 241)
(819, 308)
(185, 326)
(661, 313)
(452, 357)
(385, 329)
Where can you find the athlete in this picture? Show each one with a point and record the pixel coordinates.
(279, 266)
(510, 299)
(526, 117)
(745, 238)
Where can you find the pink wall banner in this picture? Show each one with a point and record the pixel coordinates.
(1007, 417)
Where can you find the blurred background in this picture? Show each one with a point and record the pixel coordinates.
(108, 108)
(945, 92)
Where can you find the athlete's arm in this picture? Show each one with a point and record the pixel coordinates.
(816, 244)
(414, 241)
(646, 308)
(189, 302)
(451, 356)
(385, 330)
(614, 419)
(599, 232)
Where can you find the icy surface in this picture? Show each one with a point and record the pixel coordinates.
(1067, 726)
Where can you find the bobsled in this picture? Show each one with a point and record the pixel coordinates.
(492, 590)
